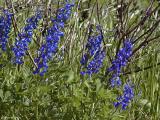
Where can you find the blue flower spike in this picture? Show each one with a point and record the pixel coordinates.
(120, 62)
(93, 59)
(49, 48)
(25, 37)
(5, 28)
(126, 97)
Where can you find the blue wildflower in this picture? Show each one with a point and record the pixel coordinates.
(49, 48)
(126, 97)
(5, 27)
(96, 63)
(24, 38)
(120, 61)
(93, 59)
(64, 13)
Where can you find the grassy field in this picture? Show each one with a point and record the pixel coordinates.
(62, 92)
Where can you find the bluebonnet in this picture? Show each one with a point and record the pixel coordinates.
(25, 37)
(49, 48)
(120, 61)
(5, 27)
(93, 59)
(126, 97)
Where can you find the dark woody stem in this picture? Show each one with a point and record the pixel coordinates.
(148, 31)
(134, 29)
(143, 44)
(148, 14)
(141, 69)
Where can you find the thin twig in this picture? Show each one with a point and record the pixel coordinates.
(141, 69)
(28, 52)
(140, 23)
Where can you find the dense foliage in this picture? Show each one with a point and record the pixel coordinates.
(79, 60)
